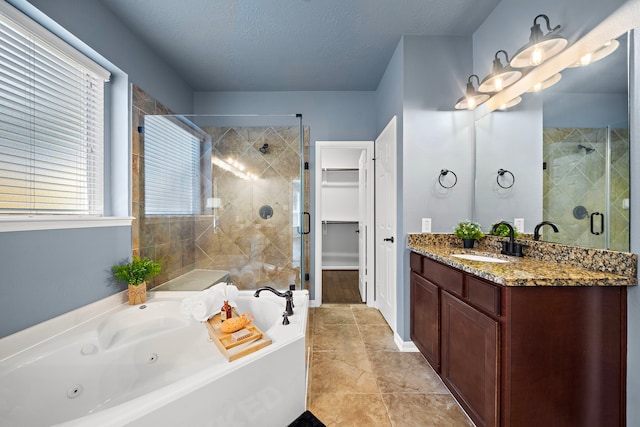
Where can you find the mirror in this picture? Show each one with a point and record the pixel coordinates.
(567, 148)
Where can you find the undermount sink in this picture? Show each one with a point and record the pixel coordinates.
(482, 258)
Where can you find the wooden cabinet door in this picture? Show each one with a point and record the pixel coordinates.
(470, 355)
(425, 319)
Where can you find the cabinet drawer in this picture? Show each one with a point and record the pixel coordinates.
(444, 276)
(483, 295)
(415, 262)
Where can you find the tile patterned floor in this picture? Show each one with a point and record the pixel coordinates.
(357, 376)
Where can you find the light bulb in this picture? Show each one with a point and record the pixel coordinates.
(586, 60)
(537, 57)
(537, 87)
(499, 84)
(471, 102)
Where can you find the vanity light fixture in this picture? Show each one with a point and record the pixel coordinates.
(607, 49)
(515, 101)
(540, 47)
(500, 76)
(546, 83)
(472, 98)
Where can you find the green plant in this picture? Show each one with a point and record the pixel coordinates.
(468, 230)
(136, 271)
(503, 231)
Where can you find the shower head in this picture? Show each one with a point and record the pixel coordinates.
(264, 149)
(588, 150)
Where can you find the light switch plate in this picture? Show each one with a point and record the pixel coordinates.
(426, 225)
(518, 224)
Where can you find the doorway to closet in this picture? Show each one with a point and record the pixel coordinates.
(344, 226)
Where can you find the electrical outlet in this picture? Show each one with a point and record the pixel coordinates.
(518, 224)
(426, 225)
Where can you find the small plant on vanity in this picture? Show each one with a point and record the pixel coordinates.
(469, 232)
(135, 273)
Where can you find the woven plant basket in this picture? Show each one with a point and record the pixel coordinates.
(138, 294)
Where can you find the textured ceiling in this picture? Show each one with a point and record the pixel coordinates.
(277, 45)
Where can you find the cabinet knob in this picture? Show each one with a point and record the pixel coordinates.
(389, 239)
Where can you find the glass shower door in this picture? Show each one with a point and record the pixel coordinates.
(586, 183)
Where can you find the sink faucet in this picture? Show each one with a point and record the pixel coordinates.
(509, 248)
(536, 231)
(288, 295)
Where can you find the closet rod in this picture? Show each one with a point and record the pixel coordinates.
(341, 169)
(339, 222)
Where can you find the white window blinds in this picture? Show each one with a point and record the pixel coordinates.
(171, 168)
(51, 123)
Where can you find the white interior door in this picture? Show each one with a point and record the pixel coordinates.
(363, 212)
(385, 219)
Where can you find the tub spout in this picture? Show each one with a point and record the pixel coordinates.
(287, 295)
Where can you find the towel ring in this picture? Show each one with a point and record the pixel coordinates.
(502, 172)
(444, 172)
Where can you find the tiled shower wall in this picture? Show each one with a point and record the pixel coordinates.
(575, 177)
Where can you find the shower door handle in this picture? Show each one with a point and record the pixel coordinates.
(308, 223)
(593, 231)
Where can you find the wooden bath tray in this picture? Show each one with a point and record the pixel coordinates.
(233, 350)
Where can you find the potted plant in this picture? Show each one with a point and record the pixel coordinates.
(469, 232)
(135, 274)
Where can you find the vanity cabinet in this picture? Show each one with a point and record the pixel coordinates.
(522, 356)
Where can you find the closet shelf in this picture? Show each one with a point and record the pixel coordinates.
(328, 184)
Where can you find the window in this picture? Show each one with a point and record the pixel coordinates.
(51, 123)
(171, 168)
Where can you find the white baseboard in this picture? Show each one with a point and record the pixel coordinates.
(404, 346)
(314, 303)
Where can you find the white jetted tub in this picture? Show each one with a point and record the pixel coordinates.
(112, 364)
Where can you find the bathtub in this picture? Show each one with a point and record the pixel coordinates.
(111, 364)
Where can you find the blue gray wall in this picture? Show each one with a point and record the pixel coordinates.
(47, 273)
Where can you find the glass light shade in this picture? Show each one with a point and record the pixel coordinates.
(497, 82)
(607, 49)
(500, 77)
(546, 83)
(471, 101)
(536, 54)
(515, 101)
(472, 98)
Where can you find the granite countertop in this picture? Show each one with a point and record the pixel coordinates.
(524, 271)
